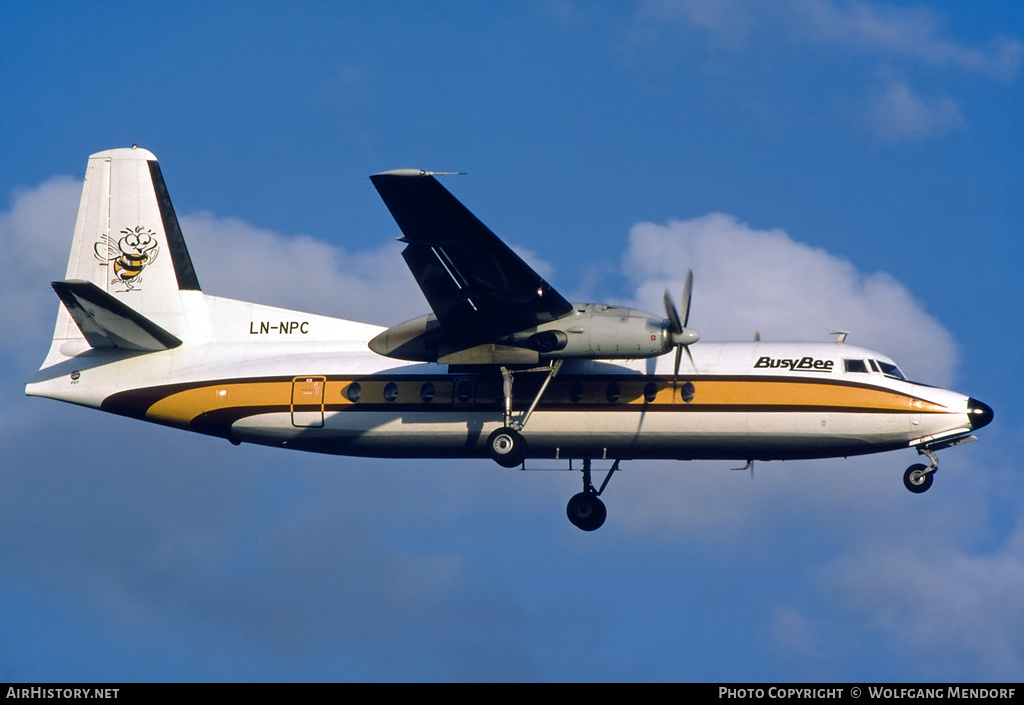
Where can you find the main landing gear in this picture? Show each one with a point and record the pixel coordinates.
(585, 510)
(506, 445)
(508, 448)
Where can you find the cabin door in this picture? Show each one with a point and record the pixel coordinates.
(308, 401)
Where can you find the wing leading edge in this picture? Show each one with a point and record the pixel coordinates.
(477, 286)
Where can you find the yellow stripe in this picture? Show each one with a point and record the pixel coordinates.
(772, 393)
(181, 408)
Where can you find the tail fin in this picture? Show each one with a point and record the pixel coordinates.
(128, 244)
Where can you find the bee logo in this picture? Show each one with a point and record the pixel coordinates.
(130, 255)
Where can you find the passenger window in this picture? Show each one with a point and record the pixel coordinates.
(353, 392)
(464, 390)
(575, 392)
(427, 392)
(613, 392)
(687, 392)
(390, 392)
(650, 392)
(855, 366)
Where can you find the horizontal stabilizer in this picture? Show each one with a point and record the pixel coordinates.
(106, 322)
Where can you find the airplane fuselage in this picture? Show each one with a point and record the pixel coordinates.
(300, 381)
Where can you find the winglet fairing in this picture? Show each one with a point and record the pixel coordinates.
(529, 375)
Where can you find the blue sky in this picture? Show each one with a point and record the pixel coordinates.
(820, 164)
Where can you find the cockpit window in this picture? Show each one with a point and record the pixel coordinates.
(890, 370)
(874, 366)
(855, 366)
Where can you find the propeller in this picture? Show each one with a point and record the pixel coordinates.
(681, 336)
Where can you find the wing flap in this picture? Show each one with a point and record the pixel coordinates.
(476, 285)
(107, 322)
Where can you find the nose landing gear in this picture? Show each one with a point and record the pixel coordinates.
(918, 478)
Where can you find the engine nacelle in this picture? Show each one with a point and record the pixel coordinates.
(591, 331)
(598, 332)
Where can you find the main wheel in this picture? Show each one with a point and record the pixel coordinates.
(507, 447)
(916, 479)
(586, 511)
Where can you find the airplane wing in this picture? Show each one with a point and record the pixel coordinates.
(476, 285)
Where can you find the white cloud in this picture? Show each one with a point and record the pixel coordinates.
(898, 113)
(35, 235)
(729, 21)
(910, 32)
(748, 280)
(948, 606)
(881, 36)
(241, 261)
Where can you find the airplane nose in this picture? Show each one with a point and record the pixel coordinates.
(979, 414)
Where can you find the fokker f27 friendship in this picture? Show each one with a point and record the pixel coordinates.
(505, 367)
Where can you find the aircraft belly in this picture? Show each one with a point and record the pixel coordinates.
(557, 434)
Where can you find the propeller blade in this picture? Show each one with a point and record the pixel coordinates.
(672, 314)
(677, 326)
(687, 293)
(675, 370)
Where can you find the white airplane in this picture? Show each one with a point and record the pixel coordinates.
(504, 367)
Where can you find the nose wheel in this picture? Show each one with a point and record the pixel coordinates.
(918, 478)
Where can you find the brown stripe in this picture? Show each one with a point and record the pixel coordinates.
(212, 406)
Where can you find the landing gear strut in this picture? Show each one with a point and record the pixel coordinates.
(585, 510)
(506, 446)
(918, 478)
